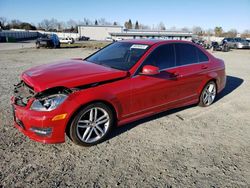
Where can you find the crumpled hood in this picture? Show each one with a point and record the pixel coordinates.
(69, 73)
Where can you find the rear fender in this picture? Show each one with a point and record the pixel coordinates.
(211, 76)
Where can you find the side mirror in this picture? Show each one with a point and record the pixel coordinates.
(150, 70)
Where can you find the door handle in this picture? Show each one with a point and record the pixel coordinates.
(176, 74)
(204, 67)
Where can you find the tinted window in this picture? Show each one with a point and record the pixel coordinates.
(202, 57)
(162, 57)
(185, 54)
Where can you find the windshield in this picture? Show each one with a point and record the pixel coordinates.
(119, 55)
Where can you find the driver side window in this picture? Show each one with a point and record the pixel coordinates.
(162, 57)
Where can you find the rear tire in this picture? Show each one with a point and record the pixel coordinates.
(91, 125)
(208, 94)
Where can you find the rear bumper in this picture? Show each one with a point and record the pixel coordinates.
(32, 124)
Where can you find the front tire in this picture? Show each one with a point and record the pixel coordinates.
(92, 124)
(208, 94)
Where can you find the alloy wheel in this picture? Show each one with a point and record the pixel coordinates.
(93, 125)
(209, 94)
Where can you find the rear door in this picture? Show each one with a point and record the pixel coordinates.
(193, 66)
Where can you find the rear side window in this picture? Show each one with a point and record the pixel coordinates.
(185, 54)
(202, 57)
(162, 57)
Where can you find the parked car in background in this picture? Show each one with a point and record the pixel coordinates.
(204, 43)
(248, 42)
(67, 40)
(49, 41)
(109, 39)
(223, 46)
(118, 39)
(236, 43)
(230, 42)
(83, 38)
(241, 43)
(123, 82)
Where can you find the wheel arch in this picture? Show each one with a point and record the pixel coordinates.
(206, 82)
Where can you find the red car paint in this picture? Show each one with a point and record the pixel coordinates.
(131, 96)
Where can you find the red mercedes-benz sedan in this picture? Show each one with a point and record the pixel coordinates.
(118, 84)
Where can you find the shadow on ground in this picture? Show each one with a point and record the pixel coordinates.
(231, 84)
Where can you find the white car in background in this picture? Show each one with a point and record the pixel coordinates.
(109, 39)
(67, 40)
(114, 39)
(118, 39)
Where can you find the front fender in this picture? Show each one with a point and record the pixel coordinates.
(87, 96)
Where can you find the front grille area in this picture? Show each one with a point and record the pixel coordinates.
(23, 93)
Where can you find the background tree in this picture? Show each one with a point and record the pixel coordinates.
(96, 22)
(210, 32)
(60, 26)
(218, 31)
(197, 30)
(44, 24)
(115, 23)
(3, 22)
(142, 26)
(136, 25)
(232, 33)
(161, 26)
(71, 23)
(173, 28)
(128, 24)
(87, 21)
(103, 21)
(245, 34)
(185, 29)
(27, 26)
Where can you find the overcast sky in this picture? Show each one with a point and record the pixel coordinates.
(229, 14)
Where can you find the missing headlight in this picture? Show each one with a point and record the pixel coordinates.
(50, 99)
(48, 103)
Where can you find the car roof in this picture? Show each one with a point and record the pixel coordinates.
(153, 41)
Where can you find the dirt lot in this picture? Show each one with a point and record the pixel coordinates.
(188, 147)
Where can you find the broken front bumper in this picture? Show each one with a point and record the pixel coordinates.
(39, 126)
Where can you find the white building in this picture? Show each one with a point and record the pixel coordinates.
(98, 32)
(153, 34)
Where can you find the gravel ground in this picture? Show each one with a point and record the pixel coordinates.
(187, 147)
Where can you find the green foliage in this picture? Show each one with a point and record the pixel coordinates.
(136, 25)
(218, 31)
(128, 25)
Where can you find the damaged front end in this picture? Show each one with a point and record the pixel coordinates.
(30, 112)
(23, 93)
(41, 101)
(50, 99)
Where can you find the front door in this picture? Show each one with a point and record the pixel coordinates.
(152, 92)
